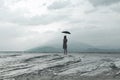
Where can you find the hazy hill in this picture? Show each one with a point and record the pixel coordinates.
(45, 49)
(72, 47)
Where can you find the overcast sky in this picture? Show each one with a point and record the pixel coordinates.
(29, 23)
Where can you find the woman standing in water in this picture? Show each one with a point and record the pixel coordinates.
(65, 45)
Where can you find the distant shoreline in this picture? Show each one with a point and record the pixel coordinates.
(54, 52)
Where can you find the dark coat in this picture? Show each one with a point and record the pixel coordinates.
(64, 43)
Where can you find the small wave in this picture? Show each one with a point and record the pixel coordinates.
(36, 57)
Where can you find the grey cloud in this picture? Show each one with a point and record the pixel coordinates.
(116, 8)
(1, 3)
(11, 31)
(58, 5)
(96, 28)
(44, 20)
(96, 36)
(7, 16)
(103, 2)
(13, 37)
(71, 21)
(18, 18)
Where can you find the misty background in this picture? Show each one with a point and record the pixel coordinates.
(25, 24)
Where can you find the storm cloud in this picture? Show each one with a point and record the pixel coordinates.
(59, 4)
(27, 23)
(103, 2)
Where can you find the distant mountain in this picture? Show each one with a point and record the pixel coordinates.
(45, 49)
(79, 47)
(72, 47)
(103, 50)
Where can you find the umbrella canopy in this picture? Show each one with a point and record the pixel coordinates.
(66, 32)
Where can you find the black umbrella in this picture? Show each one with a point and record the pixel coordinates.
(66, 32)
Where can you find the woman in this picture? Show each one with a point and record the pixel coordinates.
(65, 45)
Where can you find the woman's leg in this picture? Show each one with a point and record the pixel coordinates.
(64, 51)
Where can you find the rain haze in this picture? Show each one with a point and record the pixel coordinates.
(25, 24)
